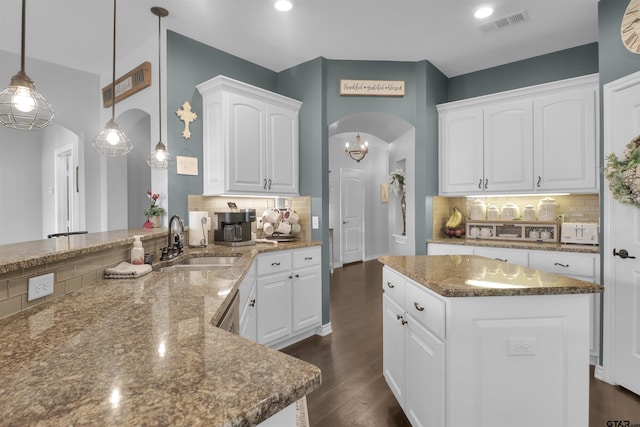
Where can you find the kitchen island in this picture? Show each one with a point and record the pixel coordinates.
(472, 341)
(145, 351)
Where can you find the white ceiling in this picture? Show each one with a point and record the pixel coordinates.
(78, 33)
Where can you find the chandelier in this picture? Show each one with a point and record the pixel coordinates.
(360, 149)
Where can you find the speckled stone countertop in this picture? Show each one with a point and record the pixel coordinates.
(146, 352)
(514, 244)
(474, 276)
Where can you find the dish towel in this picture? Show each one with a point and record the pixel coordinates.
(125, 270)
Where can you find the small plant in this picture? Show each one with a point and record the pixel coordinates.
(153, 209)
(396, 181)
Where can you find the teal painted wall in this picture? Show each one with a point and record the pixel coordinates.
(190, 63)
(564, 64)
(304, 82)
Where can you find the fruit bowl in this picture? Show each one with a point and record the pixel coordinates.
(453, 232)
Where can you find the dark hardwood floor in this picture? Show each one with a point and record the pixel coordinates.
(354, 392)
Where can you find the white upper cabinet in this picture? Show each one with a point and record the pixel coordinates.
(565, 133)
(250, 139)
(541, 138)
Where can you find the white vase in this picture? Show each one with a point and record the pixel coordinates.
(155, 221)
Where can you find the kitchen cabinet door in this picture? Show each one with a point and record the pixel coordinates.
(565, 133)
(461, 151)
(508, 147)
(282, 157)
(393, 348)
(274, 307)
(425, 380)
(307, 298)
(248, 309)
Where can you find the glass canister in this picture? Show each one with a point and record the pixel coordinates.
(478, 210)
(493, 213)
(529, 213)
(547, 209)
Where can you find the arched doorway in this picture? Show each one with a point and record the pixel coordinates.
(391, 145)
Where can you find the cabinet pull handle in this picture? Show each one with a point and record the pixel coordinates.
(398, 317)
(252, 303)
(500, 259)
(480, 184)
(273, 264)
(264, 185)
(269, 184)
(308, 258)
(404, 322)
(486, 183)
(390, 285)
(561, 265)
(539, 181)
(418, 306)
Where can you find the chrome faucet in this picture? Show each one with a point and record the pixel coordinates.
(175, 239)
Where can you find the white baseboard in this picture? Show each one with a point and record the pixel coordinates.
(324, 330)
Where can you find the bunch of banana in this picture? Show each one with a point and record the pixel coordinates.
(455, 220)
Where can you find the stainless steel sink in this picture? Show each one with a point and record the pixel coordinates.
(202, 263)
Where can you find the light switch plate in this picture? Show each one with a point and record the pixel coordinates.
(315, 222)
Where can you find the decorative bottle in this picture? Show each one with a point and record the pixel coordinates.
(137, 252)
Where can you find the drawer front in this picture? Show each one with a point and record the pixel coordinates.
(274, 262)
(426, 308)
(393, 285)
(307, 257)
(568, 264)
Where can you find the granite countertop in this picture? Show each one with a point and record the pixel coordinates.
(474, 276)
(146, 352)
(514, 244)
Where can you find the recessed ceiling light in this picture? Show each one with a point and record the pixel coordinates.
(483, 12)
(283, 5)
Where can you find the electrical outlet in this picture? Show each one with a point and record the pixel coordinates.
(40, 286)
(522, 346)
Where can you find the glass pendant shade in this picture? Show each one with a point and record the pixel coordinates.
(112, 141)
(21, 105)
(160, 158)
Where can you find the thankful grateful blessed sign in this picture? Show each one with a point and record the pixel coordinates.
(372, 87)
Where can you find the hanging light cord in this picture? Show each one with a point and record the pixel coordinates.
(113, 72)
(24, 21)
(159, 81)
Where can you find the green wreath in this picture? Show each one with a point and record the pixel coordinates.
(624, 175)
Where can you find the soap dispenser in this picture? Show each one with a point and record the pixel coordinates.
(137, 252)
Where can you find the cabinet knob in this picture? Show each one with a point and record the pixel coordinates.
(404, 322)
(290, 277)
(418, 306)
(398, 316)
(389, 285)
(297, 275)
(252, 303)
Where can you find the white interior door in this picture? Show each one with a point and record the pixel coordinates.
(66, 194)
(352, 214)
(621, 244)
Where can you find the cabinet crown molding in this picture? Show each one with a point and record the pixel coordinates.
(224, 83)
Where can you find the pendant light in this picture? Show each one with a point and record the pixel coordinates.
(160, 157)
(21, 105)
(112, 141)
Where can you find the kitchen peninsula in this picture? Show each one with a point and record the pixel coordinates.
(469, 340)
(142, 351)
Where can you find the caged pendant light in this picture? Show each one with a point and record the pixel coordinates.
(160, 157)
(112, 141)
(21, 105)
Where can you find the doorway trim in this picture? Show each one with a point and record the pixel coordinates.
(66, 164)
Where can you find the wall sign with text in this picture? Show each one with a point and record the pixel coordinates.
(371, 87)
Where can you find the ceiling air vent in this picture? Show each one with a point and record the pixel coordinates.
(506, 21)
(132, 82)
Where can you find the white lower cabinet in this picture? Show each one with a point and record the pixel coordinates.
(288, 297)
(455, 362)
(583, 266)
(413, 356)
